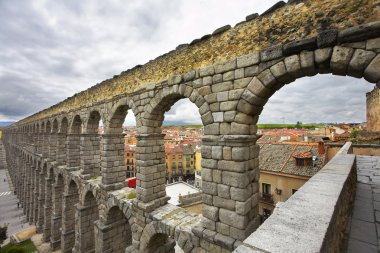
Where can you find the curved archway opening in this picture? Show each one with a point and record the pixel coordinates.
(61, 142)
(90, 146)
(73, 143)
(160, 243)
(114, 234)
(56, 217)
(296, 126)
(118, 154)
(86, 214)
(70, 199)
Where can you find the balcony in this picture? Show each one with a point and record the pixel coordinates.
(266, 197)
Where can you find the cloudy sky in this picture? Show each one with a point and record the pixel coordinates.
(50, 50)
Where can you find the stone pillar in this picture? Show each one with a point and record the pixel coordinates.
(47, 209)
(61, 154)
(85, 217)
(36, 195)
(39, 141)
(112, 161)
(90, 156)
(41, 202)
(56, 218)
(73, 151)
(52, 147)
(109, 237)
(151, 169)
(45, 145)
(31, 194)
(230, 176)
(68, 222)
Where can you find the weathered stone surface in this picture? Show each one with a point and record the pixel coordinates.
(248, 60)
(296, 47)
(274, 7)
(327, 38)
(373, 44)
(293, 67)
(307, 63)
(221, 29)
(372, 72)
(271, 53)
(340, 59)
(360, 33)
(251, 17)
(322, 59)
(225, 241)
(224, 203)
(206, 71)
(359, 62)
(225, 66)
(235, 179)
(231, 218)
(267, 79)
(210, 212)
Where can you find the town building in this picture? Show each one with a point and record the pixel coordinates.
(284, 168)
(373, 109)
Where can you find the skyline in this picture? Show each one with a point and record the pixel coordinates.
(51, 51)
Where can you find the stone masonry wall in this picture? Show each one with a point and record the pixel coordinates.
(230, 96)
(373, 109)
(281, 24)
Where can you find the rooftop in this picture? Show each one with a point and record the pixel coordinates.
(179, 188)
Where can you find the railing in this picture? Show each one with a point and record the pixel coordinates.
(266, 197)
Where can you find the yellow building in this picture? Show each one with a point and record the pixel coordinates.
(180, 161)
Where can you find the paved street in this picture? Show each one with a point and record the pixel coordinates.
(363, 230)
(9, 213)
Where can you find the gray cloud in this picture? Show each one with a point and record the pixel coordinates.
(53, 49)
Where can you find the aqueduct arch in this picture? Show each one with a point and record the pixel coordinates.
(229, 92)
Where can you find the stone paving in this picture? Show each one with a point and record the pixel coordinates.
(9, 213)
(363, 230)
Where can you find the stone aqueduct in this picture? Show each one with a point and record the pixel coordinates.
(71, 182)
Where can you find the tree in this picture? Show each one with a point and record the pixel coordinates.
(3, 233)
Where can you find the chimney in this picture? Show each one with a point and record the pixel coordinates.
(321, 148)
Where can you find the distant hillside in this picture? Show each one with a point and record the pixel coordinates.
(6, 123)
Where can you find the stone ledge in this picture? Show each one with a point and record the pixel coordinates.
(314, 216)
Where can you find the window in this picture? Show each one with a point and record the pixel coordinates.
(266, 213)
(173, 156)
(266, 188)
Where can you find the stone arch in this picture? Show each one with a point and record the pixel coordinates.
(55, 126)
(337, 60)
(64, 125)
(112, 152)
(70, 200)
(92, 123)
(151, 138)
(119, 110)
(76, 125)
(155, 240)
(73, 143)
(90, 147)
(42, 127)
(165, 99)
(87, 213)
(56, 216)
(48, 127)
(114, 223)
(48, 205)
